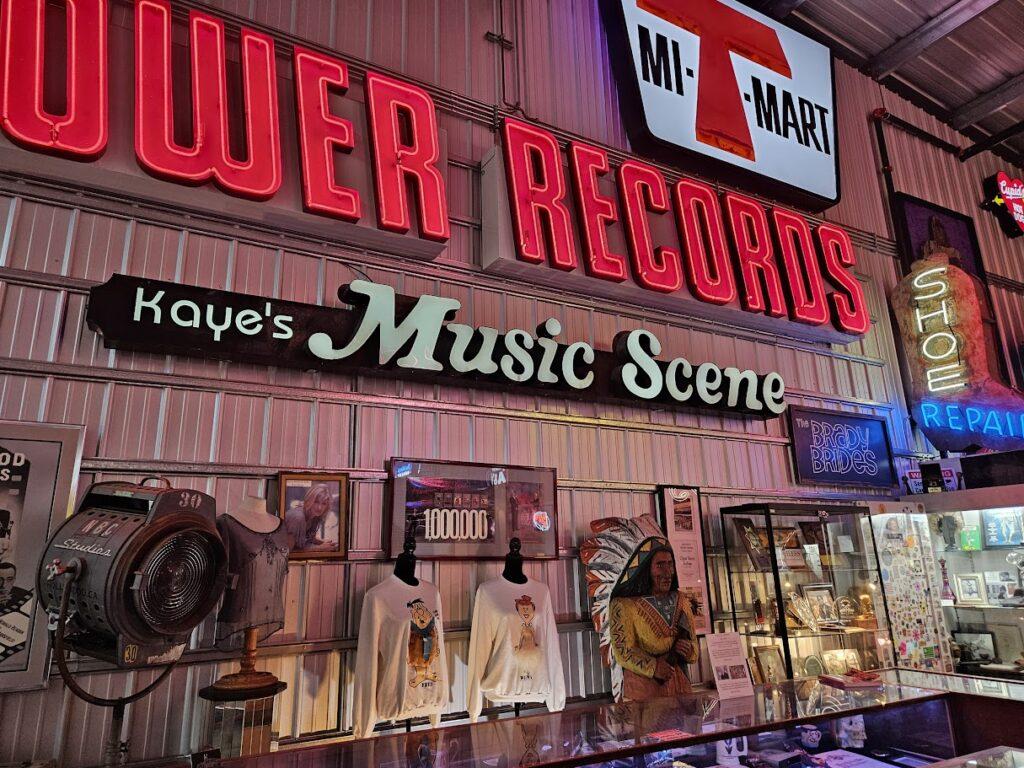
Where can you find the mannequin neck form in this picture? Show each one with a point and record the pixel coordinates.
(405, 569)
(252, 513)
(514, 569)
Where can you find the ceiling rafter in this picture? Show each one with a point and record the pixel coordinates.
(984, 105)
(779, 9)
(933, 30)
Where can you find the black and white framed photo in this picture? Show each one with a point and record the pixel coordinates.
(976, 646)
(461, 511)
(970, 588)
(39, 465)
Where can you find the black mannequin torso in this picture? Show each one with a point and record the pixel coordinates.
(514, 564)
(405, 565)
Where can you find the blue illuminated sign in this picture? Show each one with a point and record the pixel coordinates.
(980, 420)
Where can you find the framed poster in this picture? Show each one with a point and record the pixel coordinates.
(834, 448)
(314, 507)
(39, 465)
(682, 522)
(924, 228)
(1003, 527)
(471, 511)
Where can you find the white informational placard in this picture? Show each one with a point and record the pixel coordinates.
(681, 518)
(729, 665)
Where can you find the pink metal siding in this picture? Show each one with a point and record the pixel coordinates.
(225, 428)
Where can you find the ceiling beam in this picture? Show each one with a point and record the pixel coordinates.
(933, 30)
(992, 141)
(987, 103)
(779, 9)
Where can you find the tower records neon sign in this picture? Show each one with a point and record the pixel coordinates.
(618, 230)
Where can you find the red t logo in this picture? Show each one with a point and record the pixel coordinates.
(721, 121)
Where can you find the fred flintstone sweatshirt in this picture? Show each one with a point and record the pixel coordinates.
(513, 647)
(401, 671)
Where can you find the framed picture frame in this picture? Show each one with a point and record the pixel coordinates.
(813, 666)
(760, 558)
(39, 468)
(682, 520)
(1000, 585)
(770, 663)
(1003, 528)
(467, 511)
(314, 507)
(836, 661)
(822, 600)
(755, 671)
(970, 588)
(1009, 640)
(976, 646)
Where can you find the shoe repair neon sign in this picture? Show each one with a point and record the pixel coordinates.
(960, 402)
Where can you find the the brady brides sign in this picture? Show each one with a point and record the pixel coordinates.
(413, 338)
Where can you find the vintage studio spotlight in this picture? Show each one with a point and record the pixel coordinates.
(128, 577)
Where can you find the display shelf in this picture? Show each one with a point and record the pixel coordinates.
(802, 635)
(789, 572)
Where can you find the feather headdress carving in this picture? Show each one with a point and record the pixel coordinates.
(612, 556)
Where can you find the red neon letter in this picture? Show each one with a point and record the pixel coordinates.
(849, 312)
(209, 157)
(699, 219)
(81, 132)
(321, 133)
(806, 291)
(392, 108)
(643, 190)
(536, 191)
(721, 119)
(752, 241)
(596, 213)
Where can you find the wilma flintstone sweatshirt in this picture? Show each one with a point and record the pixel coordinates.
(513, 647)
(401, 670)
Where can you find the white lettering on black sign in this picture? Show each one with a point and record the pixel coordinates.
(414, 338)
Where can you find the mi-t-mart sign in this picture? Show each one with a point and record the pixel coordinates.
(716, 78)
(389, 334)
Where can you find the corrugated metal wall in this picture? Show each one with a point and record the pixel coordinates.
(225, 428)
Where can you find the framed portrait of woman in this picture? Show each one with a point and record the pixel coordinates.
(314, 508)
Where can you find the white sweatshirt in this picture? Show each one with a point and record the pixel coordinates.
(513, 647)
(401, 669)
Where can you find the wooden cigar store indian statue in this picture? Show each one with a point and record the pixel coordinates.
(645, 624)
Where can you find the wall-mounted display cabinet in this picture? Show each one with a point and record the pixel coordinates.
(803, 582)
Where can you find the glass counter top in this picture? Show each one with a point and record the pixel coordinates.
(997, 757)
(952, 683)
(594, 734)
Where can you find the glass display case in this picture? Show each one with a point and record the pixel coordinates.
(975, 563)
(778, 727)
(804, 589)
